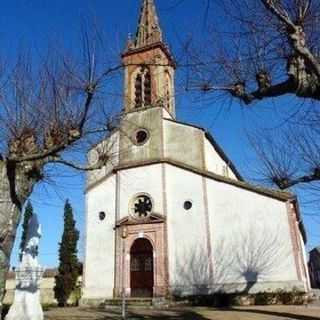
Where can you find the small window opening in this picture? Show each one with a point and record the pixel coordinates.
(141, 136)
(187, 205)
(102, 215)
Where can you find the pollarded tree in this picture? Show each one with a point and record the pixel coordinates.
(68, 271)
(268, 49)
(27, 215)
(48, 108)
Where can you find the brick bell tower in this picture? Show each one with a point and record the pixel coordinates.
(149, 66)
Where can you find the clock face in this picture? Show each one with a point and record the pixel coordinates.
(142, 207)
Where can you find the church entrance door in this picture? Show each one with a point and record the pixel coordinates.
(141, 269)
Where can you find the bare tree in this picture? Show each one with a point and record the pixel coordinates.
(266, 49)
(47, 110)
(289, 156)
(271, 48)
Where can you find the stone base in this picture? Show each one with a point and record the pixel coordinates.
(26, 306)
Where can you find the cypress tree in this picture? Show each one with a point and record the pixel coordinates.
(27, 215)
(68, 272)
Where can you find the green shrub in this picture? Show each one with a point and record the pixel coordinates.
(294, 297)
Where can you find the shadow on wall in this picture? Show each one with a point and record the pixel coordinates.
(239, 263)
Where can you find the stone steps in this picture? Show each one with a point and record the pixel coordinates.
(143, 302)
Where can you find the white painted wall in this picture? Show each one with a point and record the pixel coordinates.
(186, 229)
(100, 241)
(133, 181)
(250, 232)
(214, 163)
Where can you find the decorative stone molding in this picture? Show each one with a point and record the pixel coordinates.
(154, 231)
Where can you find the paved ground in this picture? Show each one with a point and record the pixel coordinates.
(243, 313)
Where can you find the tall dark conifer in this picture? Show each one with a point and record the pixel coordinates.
(68, 271)
(27, 215)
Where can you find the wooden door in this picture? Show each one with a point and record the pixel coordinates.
(141, 268)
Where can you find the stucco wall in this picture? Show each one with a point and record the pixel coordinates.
(249, 245)
(250, 237)
(167, 140)
(100, 240)
(183, 143)
(140, 180)
(151, 121)
(187, 238)
(214, 163)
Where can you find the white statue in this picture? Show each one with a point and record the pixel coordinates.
(26, 305)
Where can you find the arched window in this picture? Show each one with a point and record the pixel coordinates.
(143, 88)
(138, 91)
(147, 88)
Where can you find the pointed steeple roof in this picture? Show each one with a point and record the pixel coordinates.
(149, 31)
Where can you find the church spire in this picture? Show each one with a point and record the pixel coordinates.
(149, 31)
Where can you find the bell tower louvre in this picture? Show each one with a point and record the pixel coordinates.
(148, 65)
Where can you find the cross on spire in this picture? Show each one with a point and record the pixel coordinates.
(149, 31)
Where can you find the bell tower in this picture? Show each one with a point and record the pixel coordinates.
(149, 66)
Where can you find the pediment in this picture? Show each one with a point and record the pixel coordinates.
(129, 220)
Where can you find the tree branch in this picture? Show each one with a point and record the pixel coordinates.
(79, 167)
(295, 34)
(284, 183)
(54, 150)
(283, 17)
(276, 90)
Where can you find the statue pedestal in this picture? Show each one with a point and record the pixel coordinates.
(26, 305)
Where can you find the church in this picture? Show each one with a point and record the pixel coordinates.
(170, 215)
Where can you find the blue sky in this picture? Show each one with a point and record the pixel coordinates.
(34, 23)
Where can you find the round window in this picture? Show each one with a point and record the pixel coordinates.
(142, 206)
(141, 136)
(187, 205)
(102, 215)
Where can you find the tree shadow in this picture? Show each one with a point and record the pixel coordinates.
(286, 315)
(167, 315)
(236, 269)
(132, 314)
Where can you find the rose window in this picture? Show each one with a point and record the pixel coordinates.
(142, 206)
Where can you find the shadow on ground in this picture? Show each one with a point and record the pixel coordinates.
(110, 314)
(183, 314)
(279, 314)
(187, 315)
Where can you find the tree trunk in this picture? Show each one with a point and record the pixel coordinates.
(15, 187)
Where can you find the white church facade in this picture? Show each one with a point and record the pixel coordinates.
(170, 214)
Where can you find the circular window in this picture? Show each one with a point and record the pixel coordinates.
(141, 206)
(141, 136)
(187, 205)
(102, 215)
